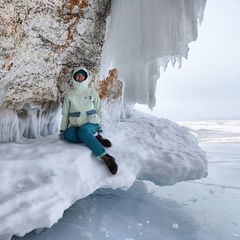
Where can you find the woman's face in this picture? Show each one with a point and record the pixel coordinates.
(80, 78)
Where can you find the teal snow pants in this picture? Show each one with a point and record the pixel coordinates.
(85, 134)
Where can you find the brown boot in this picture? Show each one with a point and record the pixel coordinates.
(110, 162)
(105, 142)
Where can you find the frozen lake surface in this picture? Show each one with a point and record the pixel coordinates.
(195, 210)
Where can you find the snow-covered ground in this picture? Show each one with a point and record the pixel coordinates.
(195, 210)
(201, 209)
(40, 178)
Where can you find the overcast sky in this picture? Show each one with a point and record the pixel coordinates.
(208, 84)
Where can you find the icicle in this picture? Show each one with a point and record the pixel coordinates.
(31, 121)
(9, 125)
(143, 36)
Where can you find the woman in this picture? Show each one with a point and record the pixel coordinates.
(82, 118)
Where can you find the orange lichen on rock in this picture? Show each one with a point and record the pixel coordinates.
(68, 7)
(59, 79)
(10, 26)
(71, 17)
(110, 87)
(8, 65)
(81, 4)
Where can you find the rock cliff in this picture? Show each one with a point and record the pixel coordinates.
(40, 43)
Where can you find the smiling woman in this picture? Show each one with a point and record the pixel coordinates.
(207, 85)
(82, 118)
(80, 75)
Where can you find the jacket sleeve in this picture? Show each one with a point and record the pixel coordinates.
(98, 107)
(65, 114)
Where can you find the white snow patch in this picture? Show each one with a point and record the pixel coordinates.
(40, 178)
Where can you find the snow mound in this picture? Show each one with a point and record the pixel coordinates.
(41, 178)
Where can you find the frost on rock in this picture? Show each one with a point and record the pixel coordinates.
(110, 92)
(40, 43)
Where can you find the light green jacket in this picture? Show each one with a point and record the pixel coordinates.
(81, 105)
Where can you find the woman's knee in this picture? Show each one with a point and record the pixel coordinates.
(70, 135)
(87, 129)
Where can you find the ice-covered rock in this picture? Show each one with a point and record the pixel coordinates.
(42, 41)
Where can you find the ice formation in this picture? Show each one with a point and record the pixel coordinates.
(43, 41)
(31, 121)
(143, 36)
(40, 178)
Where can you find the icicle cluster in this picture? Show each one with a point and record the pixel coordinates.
(143, 36)
(31, 121)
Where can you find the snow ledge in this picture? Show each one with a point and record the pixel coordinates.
(42, 177)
